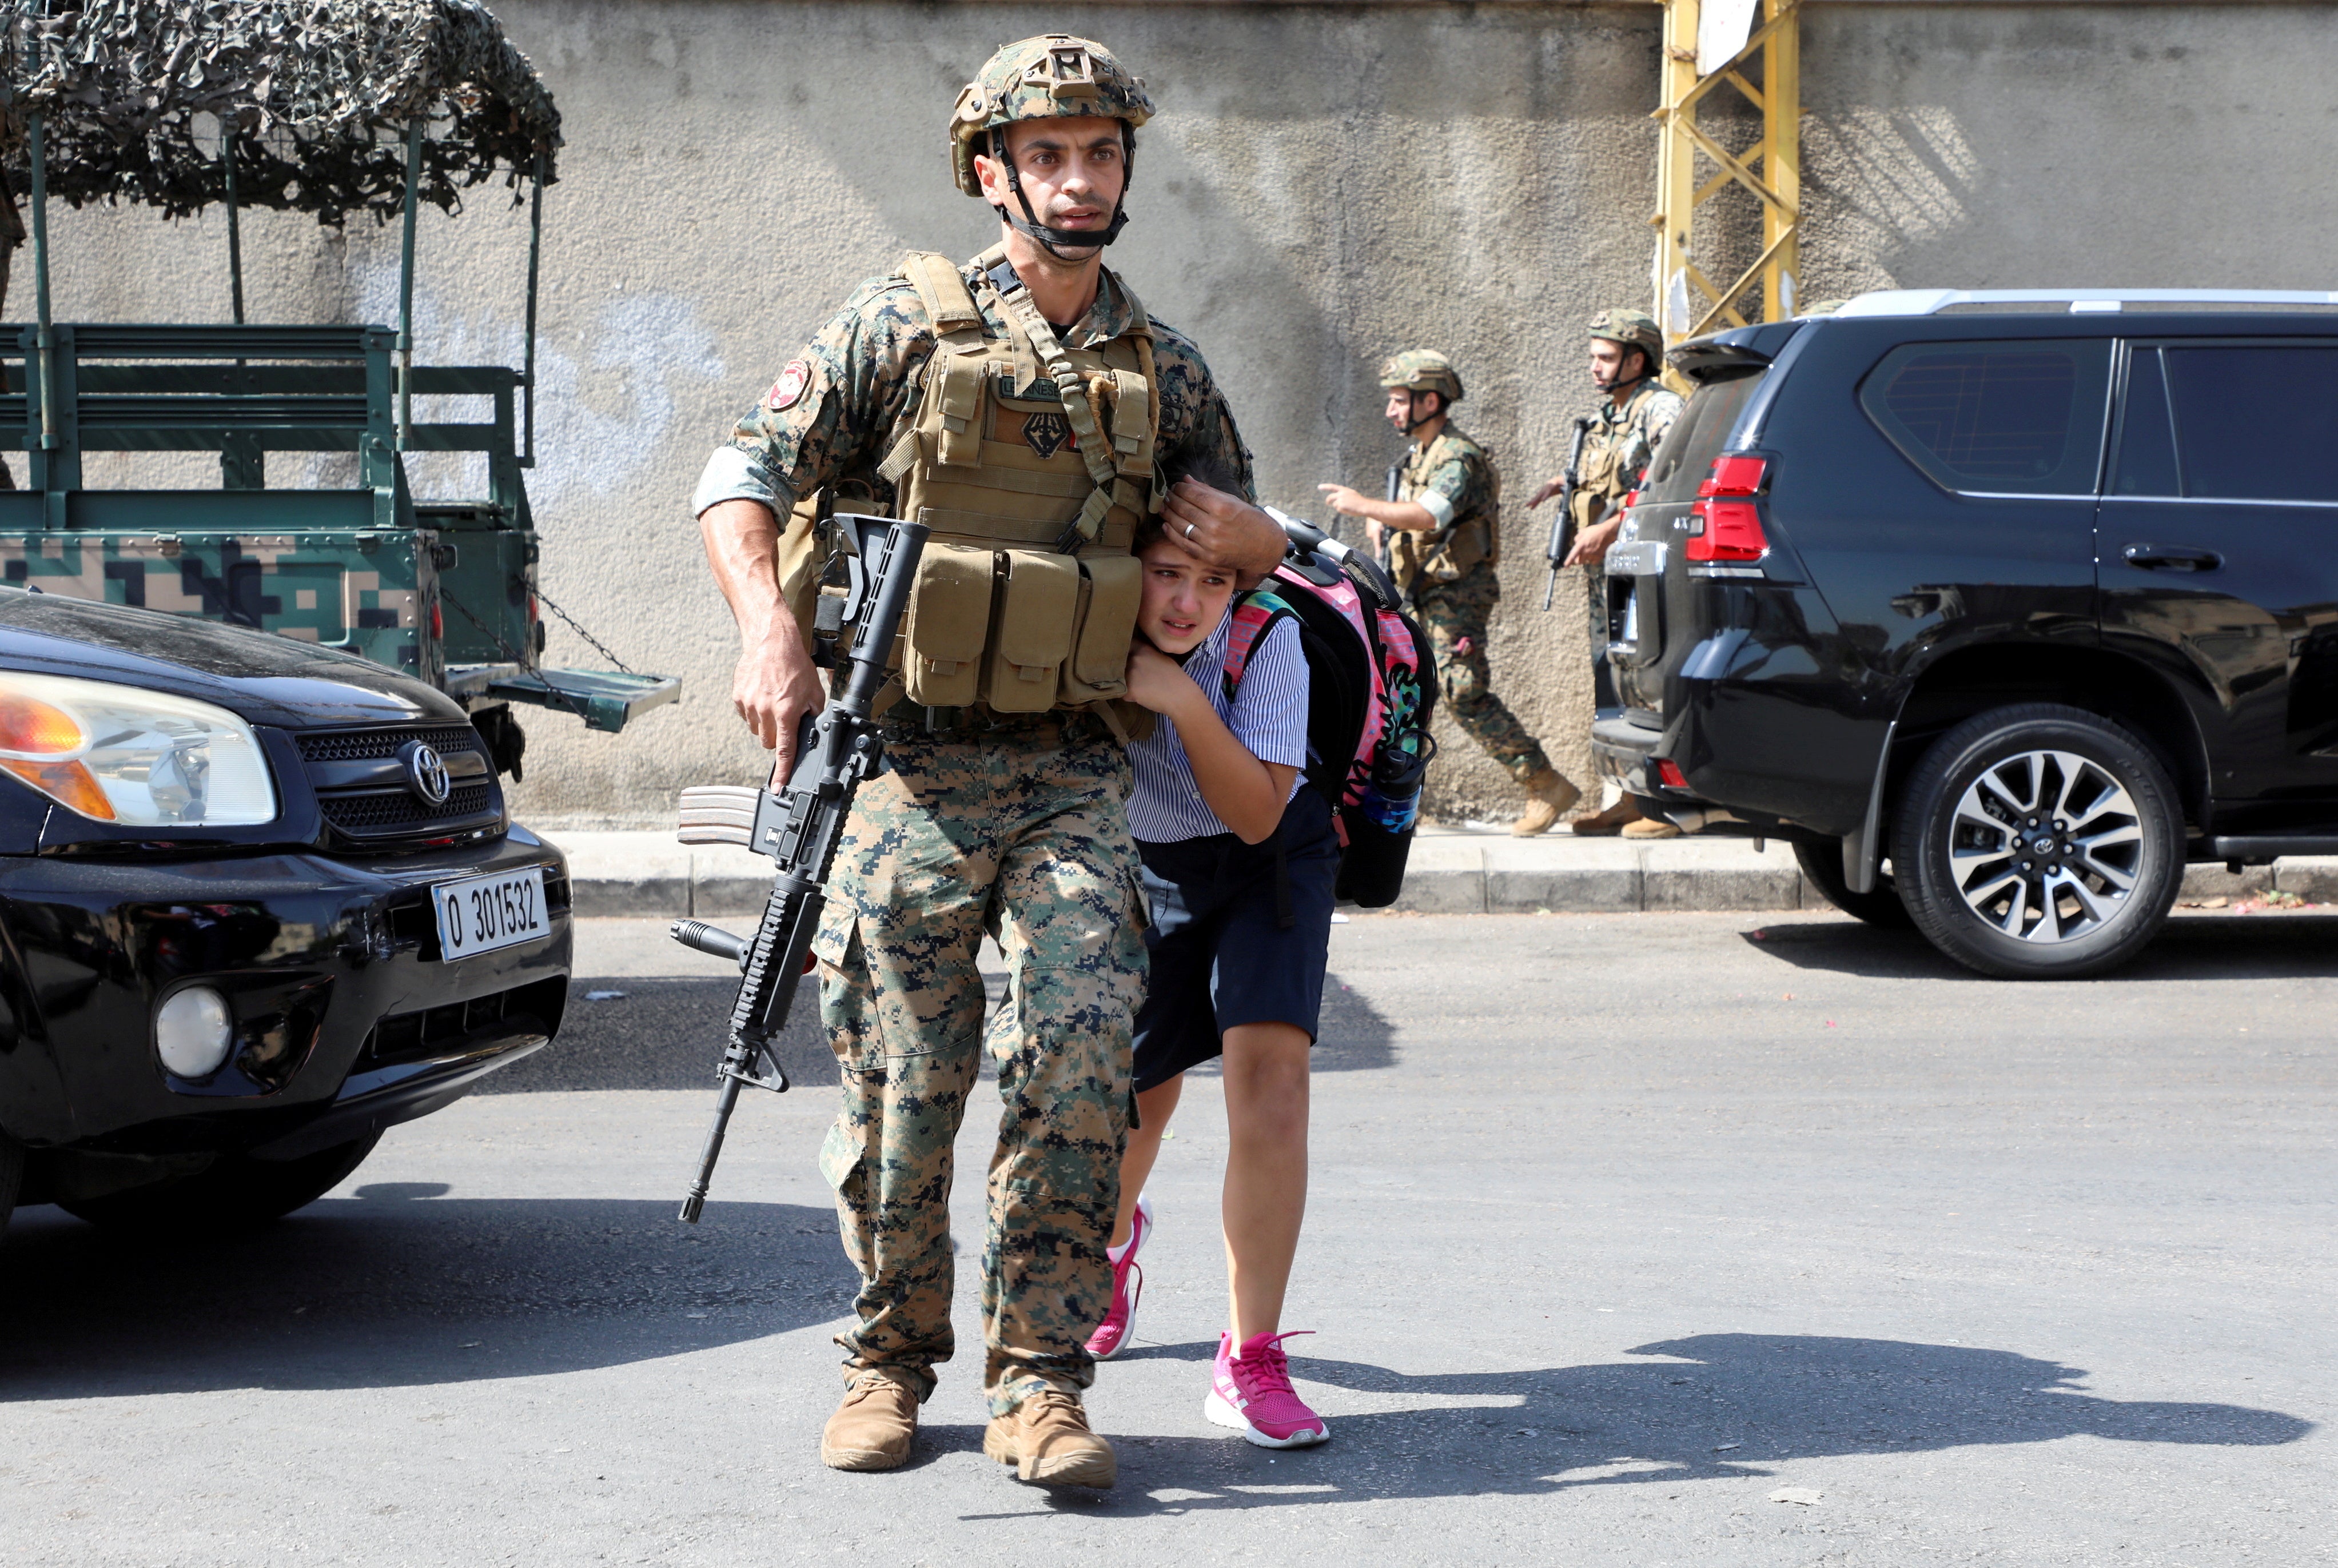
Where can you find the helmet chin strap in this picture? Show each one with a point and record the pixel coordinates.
(1412, 402)
(1054, 242)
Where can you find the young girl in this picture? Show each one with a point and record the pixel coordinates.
(1240, 857)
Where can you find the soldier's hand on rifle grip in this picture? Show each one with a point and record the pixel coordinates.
(774, 683)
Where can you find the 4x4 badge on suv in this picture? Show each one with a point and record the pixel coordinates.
(426, 774)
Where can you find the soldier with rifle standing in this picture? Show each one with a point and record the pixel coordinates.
(1021, 405)
(1628, 350)
(1441, 523)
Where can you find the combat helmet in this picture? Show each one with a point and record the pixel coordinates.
(1422, 370)
(1634, 329)
(1052, 77)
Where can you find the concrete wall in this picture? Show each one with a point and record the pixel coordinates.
(1324, 185)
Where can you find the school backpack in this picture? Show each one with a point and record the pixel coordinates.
(1371, 688)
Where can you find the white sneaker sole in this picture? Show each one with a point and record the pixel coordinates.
(1218, 1412)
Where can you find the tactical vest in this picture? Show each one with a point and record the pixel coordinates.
(1423, 558)
(1602, 483)
(1033, 466)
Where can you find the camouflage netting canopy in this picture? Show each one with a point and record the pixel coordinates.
(134, 95)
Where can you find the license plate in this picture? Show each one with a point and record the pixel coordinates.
(481, 914)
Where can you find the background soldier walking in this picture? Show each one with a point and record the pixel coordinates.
(1020, 405)
(1444, 531)
(1628, 350)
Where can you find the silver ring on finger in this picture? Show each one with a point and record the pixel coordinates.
(1188, 529)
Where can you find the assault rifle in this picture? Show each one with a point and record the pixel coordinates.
(797, 823)
(1385, 553)
(1562, 527)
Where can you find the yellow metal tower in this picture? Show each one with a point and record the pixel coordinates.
(1688, 301)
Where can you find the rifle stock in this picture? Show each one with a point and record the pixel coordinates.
(799, 825)
(1562, 527)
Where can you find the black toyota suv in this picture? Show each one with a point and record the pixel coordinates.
(2002, 606)
(258, 900)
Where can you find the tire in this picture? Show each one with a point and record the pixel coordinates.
(1821, 863)
(235, 1193)
(2081, 892)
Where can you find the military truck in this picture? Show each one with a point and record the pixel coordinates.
(340, 110)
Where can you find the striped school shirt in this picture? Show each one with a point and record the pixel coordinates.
(1268, 714)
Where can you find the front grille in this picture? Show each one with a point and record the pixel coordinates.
(363, 745)
(442, 1031)
(381, 811)
(365, 810)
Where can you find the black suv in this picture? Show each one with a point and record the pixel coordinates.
(2002, 606)
(258, 900)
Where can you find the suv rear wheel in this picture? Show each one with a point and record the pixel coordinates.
(2039, 841)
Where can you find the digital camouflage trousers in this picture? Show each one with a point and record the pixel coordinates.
(1454, 615)
(1021, 834)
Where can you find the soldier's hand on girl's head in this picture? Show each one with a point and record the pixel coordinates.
(1222, 530)
(1157, 682)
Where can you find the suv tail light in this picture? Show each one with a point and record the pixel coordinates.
(1729, 526)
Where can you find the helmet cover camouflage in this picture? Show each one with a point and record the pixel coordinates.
(1053, 77)
(1423, 371)
(1634, 329)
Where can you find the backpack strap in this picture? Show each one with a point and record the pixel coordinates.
(1254, 615)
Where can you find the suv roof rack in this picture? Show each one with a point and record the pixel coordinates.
(1933, 301)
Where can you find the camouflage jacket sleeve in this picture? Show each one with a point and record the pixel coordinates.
(1654, 416)
(1455, 487)
(1197, 429)
(834, 408)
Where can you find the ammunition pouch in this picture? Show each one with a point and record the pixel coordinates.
(1019, 631)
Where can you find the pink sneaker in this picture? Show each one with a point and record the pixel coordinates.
(1252, 1393)
(1111, 1336)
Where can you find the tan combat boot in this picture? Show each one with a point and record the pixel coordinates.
(1046, 1439)
(1645, 828)
(1549, 793)
(872, 1428)
(1608, 823)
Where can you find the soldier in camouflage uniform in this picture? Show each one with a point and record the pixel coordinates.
(1627, 351)
(984, 399)
(1444, 531)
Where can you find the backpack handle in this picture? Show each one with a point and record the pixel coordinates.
(1306, 539)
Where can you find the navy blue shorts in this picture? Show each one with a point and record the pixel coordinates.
(1221, 956)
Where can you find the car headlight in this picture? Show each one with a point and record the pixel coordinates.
(141, 759)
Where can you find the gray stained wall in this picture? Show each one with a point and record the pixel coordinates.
(1323, 186)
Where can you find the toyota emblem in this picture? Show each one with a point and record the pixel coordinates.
(425, 775)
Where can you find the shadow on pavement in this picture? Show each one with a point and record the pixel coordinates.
(398, 1287)
(1722, 1406)
(668, 1033)
(2188, 947)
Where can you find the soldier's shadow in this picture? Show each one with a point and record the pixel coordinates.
(1712, 1408)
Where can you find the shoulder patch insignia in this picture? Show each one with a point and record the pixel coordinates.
(789, 385)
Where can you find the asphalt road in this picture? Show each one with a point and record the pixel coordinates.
(1620, 1225)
